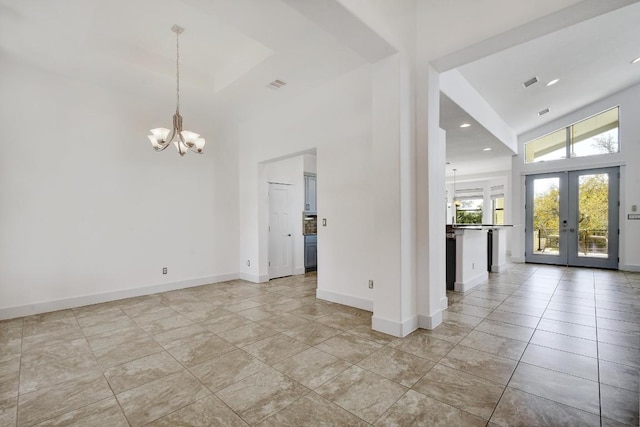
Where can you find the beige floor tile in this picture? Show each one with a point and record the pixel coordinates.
(566, 389)
(522, 308)
(514, 318)
(50, 338)
(8, 411)
(10, 341)
(563, 316)
(348, 347)
(242, 305)
(225, 323)
(202, 347)
(365, 331)
(141, 371)
(464, 391)
(59, 399)
(36, 377)
(53, 353)
(49, 322)
(9, 376)
(619, 325)
(621, 376)
(106, 412)
(506, 330)
(565, 328)
(618, 354)
(362, 393)
(114, 338)
(180, 336)
(164, 324)
(158, 398)
(283, 322)
(227, 369)
(312, 333)
(480, 302)
(500, 346)
(343, 321)
(572, 308)
(206, 412)
(247, 334)
(565, 343)
(396, 365)
(96, 314)
(313, 410)
(416, 409)
(620, 405)
(484, 365)
(126, 352)
(423, 345)
(517, 408)
(262, 394)
(451, 332)
(624, 339)
(470, 310)
(258, 313)
(562, 361)
(275, 348)
(312, 367)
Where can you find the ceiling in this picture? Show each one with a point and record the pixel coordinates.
(592, 59)
(231, 50)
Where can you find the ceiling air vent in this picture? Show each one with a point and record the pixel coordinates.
(530, 82)
(276, 84)
(543, 112)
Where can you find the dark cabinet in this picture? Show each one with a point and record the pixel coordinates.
(310, 204)
(310, 252)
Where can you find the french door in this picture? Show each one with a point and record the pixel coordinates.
(572, 218)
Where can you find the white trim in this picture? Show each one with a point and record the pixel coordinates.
(629, 267)
(254, 278)
(394, 328)
(351, 301)
(298, 270)
(430, 322)
(65, 303)
(469, 284)
(444, 303)
(517, 260)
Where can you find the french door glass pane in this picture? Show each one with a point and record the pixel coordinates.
(593, 216)
(546, 211)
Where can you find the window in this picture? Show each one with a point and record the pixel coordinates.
(590, 137)
(469, 211)
(498, 210)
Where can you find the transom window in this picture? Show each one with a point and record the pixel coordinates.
(590, 137)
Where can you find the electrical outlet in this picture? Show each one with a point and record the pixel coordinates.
(370, 284)
(248, 263)
(324, 222)
(164, 270)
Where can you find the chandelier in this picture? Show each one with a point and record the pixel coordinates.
(183, 139)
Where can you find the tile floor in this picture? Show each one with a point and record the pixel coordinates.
(535, 345)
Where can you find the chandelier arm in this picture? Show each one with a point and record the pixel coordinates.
(162, 146)
(177, 72)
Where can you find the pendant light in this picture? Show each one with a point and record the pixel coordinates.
(182, 139)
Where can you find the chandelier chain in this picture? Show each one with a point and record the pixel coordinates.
(177, 72)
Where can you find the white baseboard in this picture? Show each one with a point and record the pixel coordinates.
(444, 303)
(351, 301)
(430, 322)
(517, 259)
(254, 278)
(395, 329)
(629, 267)
(470, 284)
(299, 270)
(65, 303)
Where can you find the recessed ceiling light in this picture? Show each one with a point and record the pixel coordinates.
(486, 149)
(635, 61)
(552, 82)
(465, 125)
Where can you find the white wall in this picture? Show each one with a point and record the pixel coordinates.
(89, 211)
(628, 159)
(335, 120)
(287, 171)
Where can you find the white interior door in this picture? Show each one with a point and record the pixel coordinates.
(280, 240)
